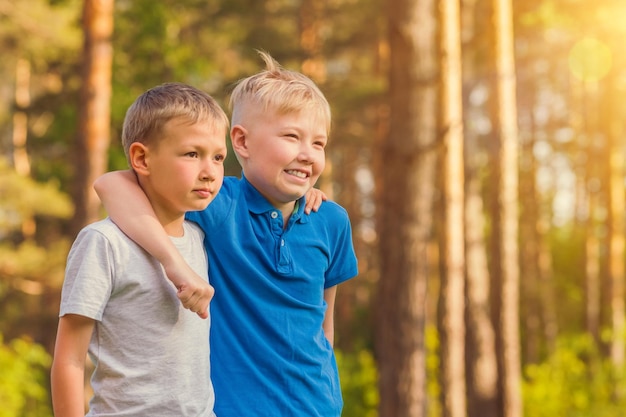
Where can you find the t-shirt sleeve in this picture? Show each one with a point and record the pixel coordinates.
(88, 275)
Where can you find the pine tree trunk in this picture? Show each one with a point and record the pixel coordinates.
(505, 219)
(452, 241)
(615, 228)
(93, 135)
(404, 220)
(21, 160)
(481, 363)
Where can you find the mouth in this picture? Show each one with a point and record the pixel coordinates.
(296, 173)
(203, 192)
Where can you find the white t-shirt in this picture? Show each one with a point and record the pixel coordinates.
(151, 355)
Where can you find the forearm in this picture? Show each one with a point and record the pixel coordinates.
(329, 318)
(130, 209)
(68, 390)
(67, 375)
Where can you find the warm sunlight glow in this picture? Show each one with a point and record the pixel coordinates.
(590, 59)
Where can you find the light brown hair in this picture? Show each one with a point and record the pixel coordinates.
(146, 117)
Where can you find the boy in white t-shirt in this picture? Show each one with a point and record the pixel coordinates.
(151, 355)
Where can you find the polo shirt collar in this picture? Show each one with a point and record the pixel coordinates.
(258, 204)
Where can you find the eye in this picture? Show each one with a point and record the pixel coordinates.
(192, 154)
(220, 158)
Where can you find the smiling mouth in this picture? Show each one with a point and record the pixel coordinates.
(298, 174)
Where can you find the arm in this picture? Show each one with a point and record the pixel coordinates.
(329, 319)
(131, 211)
(68, 367)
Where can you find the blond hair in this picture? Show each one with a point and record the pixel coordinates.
(278, 89)
(146, 117)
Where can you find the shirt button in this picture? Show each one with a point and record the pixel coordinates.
(274, 215)
(282, 242)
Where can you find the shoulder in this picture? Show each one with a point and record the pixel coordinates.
(221, 207)
(331, 212)
(103, 229)
(231, 186)
(101, 237)
(331, 221)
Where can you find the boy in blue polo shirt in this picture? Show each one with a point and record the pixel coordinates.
(275, 270)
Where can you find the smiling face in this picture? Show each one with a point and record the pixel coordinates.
(282, 155)
(183, 170)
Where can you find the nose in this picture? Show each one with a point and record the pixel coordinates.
(209, 171)
(306, 154)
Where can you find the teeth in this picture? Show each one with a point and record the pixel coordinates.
(297, 174)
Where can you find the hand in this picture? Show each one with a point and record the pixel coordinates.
(313, 200)
(194, 292)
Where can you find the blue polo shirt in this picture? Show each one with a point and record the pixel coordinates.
(269, 355)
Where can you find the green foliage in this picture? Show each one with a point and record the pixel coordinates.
(433, 387)
(359, 379)
(23, 198)
(21, 33)
(567, 245)
(23, 379)
(358, 383)
(575, 381)
(46, 35)
(31, 272)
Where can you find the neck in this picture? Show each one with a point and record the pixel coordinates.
(172, 223)
(174, 228)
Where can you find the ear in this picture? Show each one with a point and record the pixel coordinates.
(139, 158)
(238, 138)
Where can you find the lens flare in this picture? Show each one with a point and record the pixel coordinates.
(590, 59)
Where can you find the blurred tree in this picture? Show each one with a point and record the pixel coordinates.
(480, 363)
(614, 132)
(34, 56)
(93, 136)
(504, 213)
(451, 304)
(404, 221)
(31, 273)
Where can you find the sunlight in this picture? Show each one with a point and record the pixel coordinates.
(590, 59)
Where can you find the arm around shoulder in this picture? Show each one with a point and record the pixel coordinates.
(129, 208)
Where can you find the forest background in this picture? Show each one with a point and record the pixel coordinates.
(478, 146)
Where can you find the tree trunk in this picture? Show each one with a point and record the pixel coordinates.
(93, 135)
(452, 258)
(615, 228)
(480, 364)
(405, 218)
(589, 196)
(537, 287)
(505, 216)
(21, 160)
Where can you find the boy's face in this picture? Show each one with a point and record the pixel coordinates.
(185, 169)
(282, 154)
